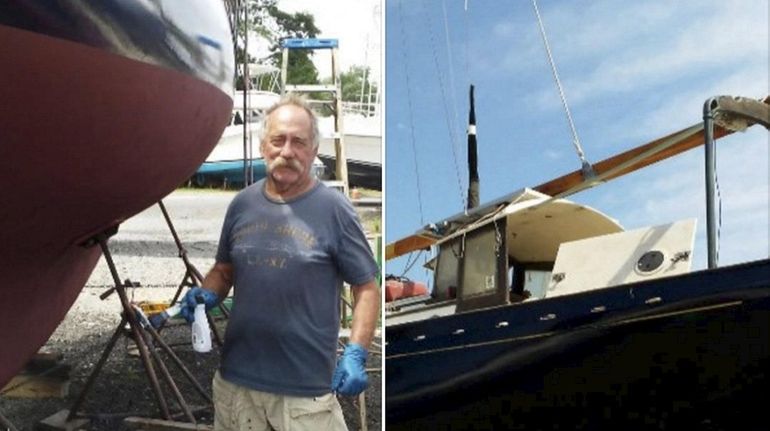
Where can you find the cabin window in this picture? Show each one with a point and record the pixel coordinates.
(480, 264)
(536, 283)
(447, 270)
(529, 280)
(237, 119)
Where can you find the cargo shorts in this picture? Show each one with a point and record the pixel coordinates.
(240, 409)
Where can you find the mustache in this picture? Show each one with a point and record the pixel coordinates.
(282, 162)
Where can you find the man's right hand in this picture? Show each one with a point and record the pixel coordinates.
(189, 302)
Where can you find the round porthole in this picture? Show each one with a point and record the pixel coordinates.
(650, 262)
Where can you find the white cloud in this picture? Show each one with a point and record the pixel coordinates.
(504, 29)
(553, 154)
(652, 43)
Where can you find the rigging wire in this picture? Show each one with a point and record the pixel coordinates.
(466, 38)
(452, 133)
(247, 144)
(575, 139)
(410, 262)
(412, 139)
(450, 67)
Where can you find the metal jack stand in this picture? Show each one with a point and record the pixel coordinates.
(5, 423)
(192, 276)
(144, 335)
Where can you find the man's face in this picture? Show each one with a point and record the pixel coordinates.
(288, 147)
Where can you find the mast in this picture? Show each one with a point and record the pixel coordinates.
(473, 170)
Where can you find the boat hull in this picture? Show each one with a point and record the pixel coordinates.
(89, 138)
(227, 173)
(360, 174)
(705, 341)
(363, 150)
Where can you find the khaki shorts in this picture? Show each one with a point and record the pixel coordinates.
(239, 409)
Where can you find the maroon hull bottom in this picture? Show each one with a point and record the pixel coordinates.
(87, 139)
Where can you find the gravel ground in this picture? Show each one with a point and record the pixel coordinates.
(144, 252)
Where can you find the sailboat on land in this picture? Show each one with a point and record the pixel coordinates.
(107, 107)
(239, 143)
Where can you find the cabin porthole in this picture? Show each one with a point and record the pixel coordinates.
(458, 332)
(650, 262)
(502, 324)
(419, 338)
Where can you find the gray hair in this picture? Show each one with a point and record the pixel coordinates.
(292, 100)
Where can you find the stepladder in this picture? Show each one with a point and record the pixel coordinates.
(334, 89)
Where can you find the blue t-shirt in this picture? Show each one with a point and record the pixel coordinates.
(290, 259)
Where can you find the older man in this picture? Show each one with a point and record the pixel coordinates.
(287, 245)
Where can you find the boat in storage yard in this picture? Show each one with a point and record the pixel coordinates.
(540, 302)
(107, 107)
(225, 164)
(362, 137)
(363, 143)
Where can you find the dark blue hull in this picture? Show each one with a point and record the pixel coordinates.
(360, 174)
(694, 339)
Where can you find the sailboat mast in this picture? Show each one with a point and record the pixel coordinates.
(473, 170)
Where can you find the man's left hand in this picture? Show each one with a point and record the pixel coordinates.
(350, 376)
(190, 301)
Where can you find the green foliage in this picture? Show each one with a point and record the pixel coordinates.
(353, 81)
(299, 25)
(356, 85)
(274, 25)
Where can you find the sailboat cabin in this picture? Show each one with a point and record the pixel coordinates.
(528, 246)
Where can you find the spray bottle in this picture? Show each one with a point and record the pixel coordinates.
(201, 333)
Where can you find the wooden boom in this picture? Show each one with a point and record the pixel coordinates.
(685, 139)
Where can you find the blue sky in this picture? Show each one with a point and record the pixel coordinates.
(632, 72)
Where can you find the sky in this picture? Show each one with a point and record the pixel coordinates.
(355, 23)
(631, 72)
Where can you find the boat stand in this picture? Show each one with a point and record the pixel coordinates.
(145, 337)
(6, 424)
(192, 277)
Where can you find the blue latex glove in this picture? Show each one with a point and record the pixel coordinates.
(189, 302)
(350, 376)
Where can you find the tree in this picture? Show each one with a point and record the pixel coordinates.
(274, 25)
(301, 69)
(357, 88)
